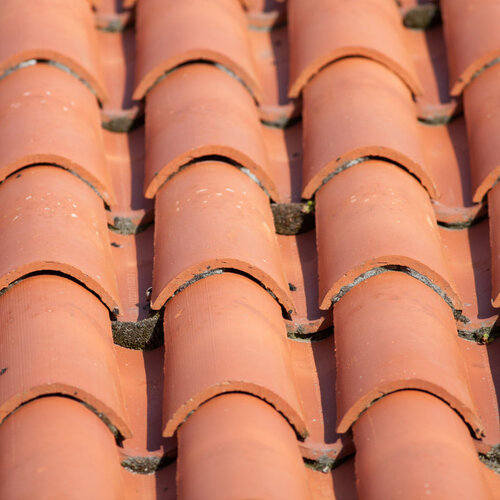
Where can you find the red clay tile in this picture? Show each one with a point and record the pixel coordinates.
(51, 30)
(56, 448)
(468, 255)
(133, 264)
(494, 213)
(161, 484)
(385, 343)
(482, 115)
(141, 375)
(300, 260)
(483, 391)
(412, 445)
(199, 111)
(374, 217)
(472, 38)
(171, 33)
(284, 150)
(125, 159)
(314, 370)
(47, 116)
(71, 353)
(229, 224)
(428, 52)
(324, 31)
(52, 221)
(117, 51)
(235, 447)
(447, 156)
(205, 355)
(270, 50)
(339, 484)
(357, 108)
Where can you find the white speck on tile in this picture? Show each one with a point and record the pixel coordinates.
(48, 92)
(65, 108)
(218, 194)
(74, 215)
(27, 93)
(230, 190)
(15, 105)
(200, 191)
(28, 197)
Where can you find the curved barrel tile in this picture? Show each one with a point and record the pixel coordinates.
(324, 31)
(226, 223)
(226, 334)
(56, 339)
(51, 221)
(171, 33)
(394, 333)
(357, 109)
(199, 111)
(52, 30)
(374, 217)
(47, 116)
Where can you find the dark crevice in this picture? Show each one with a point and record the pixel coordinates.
(114, 430)
(326, 464)
(298, 335)
(422, 17)
(203, 61)
(221, 270)
(492, 458)
(458, 226)
(375, 271)
(220, 159)
(293, 218)
(483, 335)
(125, 226)
(124, 124)
(283, 123)
(50, 62)
(55, 165)
(60, 274)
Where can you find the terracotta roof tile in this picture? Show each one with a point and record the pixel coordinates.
(52, 221)
(71, 353)
(386, 344)
(415, 420)
(231, 227)
(324, 31)
(221, 453)
(354, 211)
(373, 115)
(35, 98)
(472, 38)
(54, 31)
(253, 358)
(54, 447)
(171, 33)
(196, 112)
(368, 206)
(494, 213)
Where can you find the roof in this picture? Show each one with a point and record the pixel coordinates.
(249, 249)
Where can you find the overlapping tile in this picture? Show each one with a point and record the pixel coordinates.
(172, 33)
(373, 115)
(54, 447)
(71, 352)
(221, 453)
(231, 228)
(196, 112)
(420, 422)
(53, 31)
(49, 117)
(325, 31)
(353, 215)
(52, 221)
(200, 333)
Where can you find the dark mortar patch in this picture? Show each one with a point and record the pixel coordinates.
(144, 335)
(324, 463)
(299, 334)
(422, 17)
(146, 465)
(2, 371)
(484, 335)
(123, 124)
(492, 458)
(293, 218)
(125, 226)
